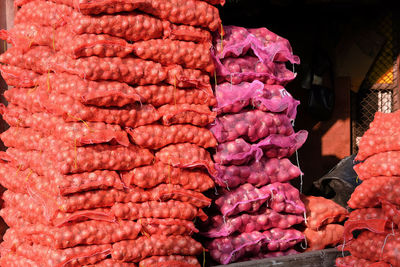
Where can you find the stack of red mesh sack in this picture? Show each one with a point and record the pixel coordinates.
(322, 225)
(255, 207)
(372, 233)
(107, 156)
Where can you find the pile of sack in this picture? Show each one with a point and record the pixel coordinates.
(372, 233)
(107, 156)
(255, 208)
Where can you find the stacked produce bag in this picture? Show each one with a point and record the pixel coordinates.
(256, 208)
(376, 202)
(322, 224)
(107, 156)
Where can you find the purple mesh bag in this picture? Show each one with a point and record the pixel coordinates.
(240, 152)
(249, 68)
(266, 45)
(280, 197)
(274, 98)
(263, 220)
(257, 173)
(232, 248)
(251, 125)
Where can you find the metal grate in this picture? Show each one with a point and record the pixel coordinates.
(380, 88)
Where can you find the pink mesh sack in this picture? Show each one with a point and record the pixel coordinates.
(82, 233)
(68, 159)
(232, 248)
(249, 68)
(23, 180)
(266, 45)
(257, 173)
(247, 198)
(240, 152)
(144, 247)
(158, 173)
(274, 98)
(199, 115)
(81, 133)
(158, 136)
(186, 156)
(262, 220)
(251, 125)
(40, 100)
(172, 260)
(383, 164)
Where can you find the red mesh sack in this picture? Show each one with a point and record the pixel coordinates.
(249, 68)
(392, 212)
(71, 110)
(376, 247)
(143, 247)
(195, 13)
(166, 227)
(262, 220)
(257, 173)
(274, 98)
(14, 260)
(23, 180)
(186, 33)
(77, 256)
(383, 123)
(158, 136)
(106, 198)
(251, 125)
(351, 261)
(172, 260)
(83, 233)
(169, 52)
(383, 164)
(154, 209)
(279, 197)
(18, 77)
(371, 144)
(240, 152)
(82, 159)
(131, 70)
(112, 263)
(42, 12)
(368, 193)
(153, 175)
(186, 156)
(321, 211)
(199, 115)
(266, 45)
(327, 236)
(80, 132)
(26, 35)
(372, 219)
(216, 2)
(232, 248)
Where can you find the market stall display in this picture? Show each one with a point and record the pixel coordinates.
(107, 156)
(255, 209)
(375, 201)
